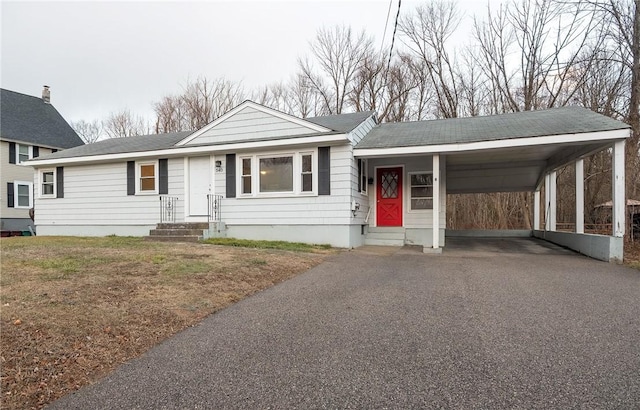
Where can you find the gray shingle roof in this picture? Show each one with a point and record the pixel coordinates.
(341, 122)
(556, 121)
(138, 143)
(24, 118)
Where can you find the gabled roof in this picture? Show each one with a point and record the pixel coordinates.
(336, 124)
(24, 118)
(555, 121)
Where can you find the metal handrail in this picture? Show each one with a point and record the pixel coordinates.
(168, 209)
(214, 208)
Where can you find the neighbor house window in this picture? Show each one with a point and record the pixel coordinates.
(276, 174)
(147, 177)
(22, 193)
(307, 173)
(23, 152)
(246, 176)
(421, 190)
(47, 183)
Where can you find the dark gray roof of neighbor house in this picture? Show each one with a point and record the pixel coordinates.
(341, 122)
(24, 118)
(555, 121)
(138, 143)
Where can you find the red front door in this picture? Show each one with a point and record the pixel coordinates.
(389, 197)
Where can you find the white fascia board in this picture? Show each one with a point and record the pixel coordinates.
(484, 145)
(181, 151)
(31, 143)
(258, 107)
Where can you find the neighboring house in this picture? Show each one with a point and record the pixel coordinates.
(29, 127)
(339, 179)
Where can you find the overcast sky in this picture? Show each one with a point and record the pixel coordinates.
(102, 57)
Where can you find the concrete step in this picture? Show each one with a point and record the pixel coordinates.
(183, 225)
(189, 238)
(383, 242)
(175, 232)
(395, 229)
(386, 235)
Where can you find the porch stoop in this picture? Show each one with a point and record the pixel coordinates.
(385, 236)
(179, 232)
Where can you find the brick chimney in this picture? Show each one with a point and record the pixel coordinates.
(46, 95)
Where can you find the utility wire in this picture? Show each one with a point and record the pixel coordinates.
(393, 38)
(386, 23)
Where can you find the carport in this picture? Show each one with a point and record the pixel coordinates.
(516, 152)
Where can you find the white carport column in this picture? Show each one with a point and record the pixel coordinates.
(436, 201)
(550, 201)
(536, 210)
(580, 196)
(619, 202)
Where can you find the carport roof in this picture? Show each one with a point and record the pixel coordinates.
(556, 121)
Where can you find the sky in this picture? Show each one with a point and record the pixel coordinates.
(103, 57)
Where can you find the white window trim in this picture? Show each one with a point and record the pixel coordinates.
(139, 164)
(297, 174)
(408, 191)
(41, 182)
(29, 149)
(364, 189)
(15, 194)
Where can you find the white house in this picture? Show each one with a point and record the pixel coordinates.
(258, 173)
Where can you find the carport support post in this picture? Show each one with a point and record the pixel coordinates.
(580, 196)
(619, 203)
(550, 201)
(436, 201)
(536, 210)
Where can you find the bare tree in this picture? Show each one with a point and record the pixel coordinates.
(426, 33)
(337, 55)
(124, 124)
(89, 132)
(171, 114)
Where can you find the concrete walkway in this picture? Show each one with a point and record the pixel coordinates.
(533, 327)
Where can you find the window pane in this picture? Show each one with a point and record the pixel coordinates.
(276, 174)
(147, 184)
(246, 184)
(23, 149)
(147, 170)
(421, 192)
(47, 177)
(307, 182)
(421, 179)
(23, 195)
(389, 187)
(421, 203)
(246, 166)
(306, 163)
(47, 189)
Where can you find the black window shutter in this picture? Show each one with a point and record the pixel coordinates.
(231, 175)
(163, 172)
(59, 182)
(36, 151)
(10, 203)
(131, 178)
(12, 153)
(359, 175)
(324, 171)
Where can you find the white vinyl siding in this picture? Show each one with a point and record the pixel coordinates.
(251, 124)
(300, 209)
(411, 219)
(97, 195)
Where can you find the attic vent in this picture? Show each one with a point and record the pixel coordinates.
(46, 94)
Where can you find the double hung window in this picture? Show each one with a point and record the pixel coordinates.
(421, 190)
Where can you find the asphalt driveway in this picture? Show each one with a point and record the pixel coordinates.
(517, 324)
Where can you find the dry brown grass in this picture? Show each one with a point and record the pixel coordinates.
(75, 308)
(632, 254)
